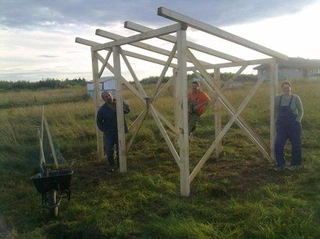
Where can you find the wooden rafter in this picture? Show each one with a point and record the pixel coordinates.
(172, 15)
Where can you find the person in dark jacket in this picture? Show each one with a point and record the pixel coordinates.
(289, 112)
(107, 123)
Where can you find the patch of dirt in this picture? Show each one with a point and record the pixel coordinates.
(241, 176)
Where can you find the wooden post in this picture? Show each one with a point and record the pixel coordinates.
(217, 113)
(96, 95)
(273, 92)
(176, 106)
(182, 102)
(119, 107)
(53, 151)
(40, 134)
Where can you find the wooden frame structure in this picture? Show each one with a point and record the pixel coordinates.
(182, 52)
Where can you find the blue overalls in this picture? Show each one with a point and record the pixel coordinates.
(287, 128)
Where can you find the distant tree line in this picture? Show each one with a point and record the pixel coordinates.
(42, 84)
(51, 83)
(223, 77)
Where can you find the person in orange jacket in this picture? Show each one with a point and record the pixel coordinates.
(197, 102)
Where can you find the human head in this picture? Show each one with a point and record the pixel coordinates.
(286, 83)
(107, 96)
(286, 87)
(195, 84)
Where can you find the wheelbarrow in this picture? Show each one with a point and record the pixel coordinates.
(53, 186)
(53, 182)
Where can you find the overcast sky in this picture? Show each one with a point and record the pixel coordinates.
(37, 37)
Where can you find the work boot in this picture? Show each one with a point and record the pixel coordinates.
(111, 167)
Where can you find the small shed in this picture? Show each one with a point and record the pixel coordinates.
(106, 83)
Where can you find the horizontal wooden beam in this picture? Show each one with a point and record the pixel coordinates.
(140, 37)
(86, 42)
(235, 64)
(175, 16)
(128, 53)
(141, 45)
(194, 46)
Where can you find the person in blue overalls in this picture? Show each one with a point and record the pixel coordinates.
(289, 112)
(107, 123)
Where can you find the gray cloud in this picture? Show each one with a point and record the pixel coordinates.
(30, 14)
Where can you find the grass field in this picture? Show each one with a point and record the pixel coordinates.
(236, 196)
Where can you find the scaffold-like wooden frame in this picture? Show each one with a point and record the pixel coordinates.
(182, 53)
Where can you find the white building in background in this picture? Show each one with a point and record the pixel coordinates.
(294, 68)
(106, 83)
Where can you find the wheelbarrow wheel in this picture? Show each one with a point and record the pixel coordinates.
(52, 203)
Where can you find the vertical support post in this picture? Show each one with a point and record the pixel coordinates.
(177, 108)
(119, 107)
(41, 133)
(183, 119)
(217, 112)
(273, 93)
(96, 97)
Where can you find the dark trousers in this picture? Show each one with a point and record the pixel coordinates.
(192, 122)
(292, 131)
(111, 145)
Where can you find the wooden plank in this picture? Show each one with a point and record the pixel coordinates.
(230, 109)
(165, 135)
(141, 45)
(42, 156)
(225, 129)
(147, 58)
(139, 37)
(254, 137)
(175, 16)
(217, 112)
(164, 71)
(234, 64)
(227, 83)
(119, 108)
(40, 134)
(136, 125)
(166, 122)
(123, 80)
(53, 151)
(86, 42)
(141, 97)
(165, 87)
(135, 78)
(273, 93)
(191, 45)
(104, 64)
(96, 101)
(225, 102)
(128, 53)
(183, 120)
(176, 107)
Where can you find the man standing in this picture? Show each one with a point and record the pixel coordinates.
(107, 123)
(197, 102)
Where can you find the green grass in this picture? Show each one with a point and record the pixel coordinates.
(235, 196)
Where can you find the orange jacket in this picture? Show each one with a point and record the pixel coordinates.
(198, 100)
